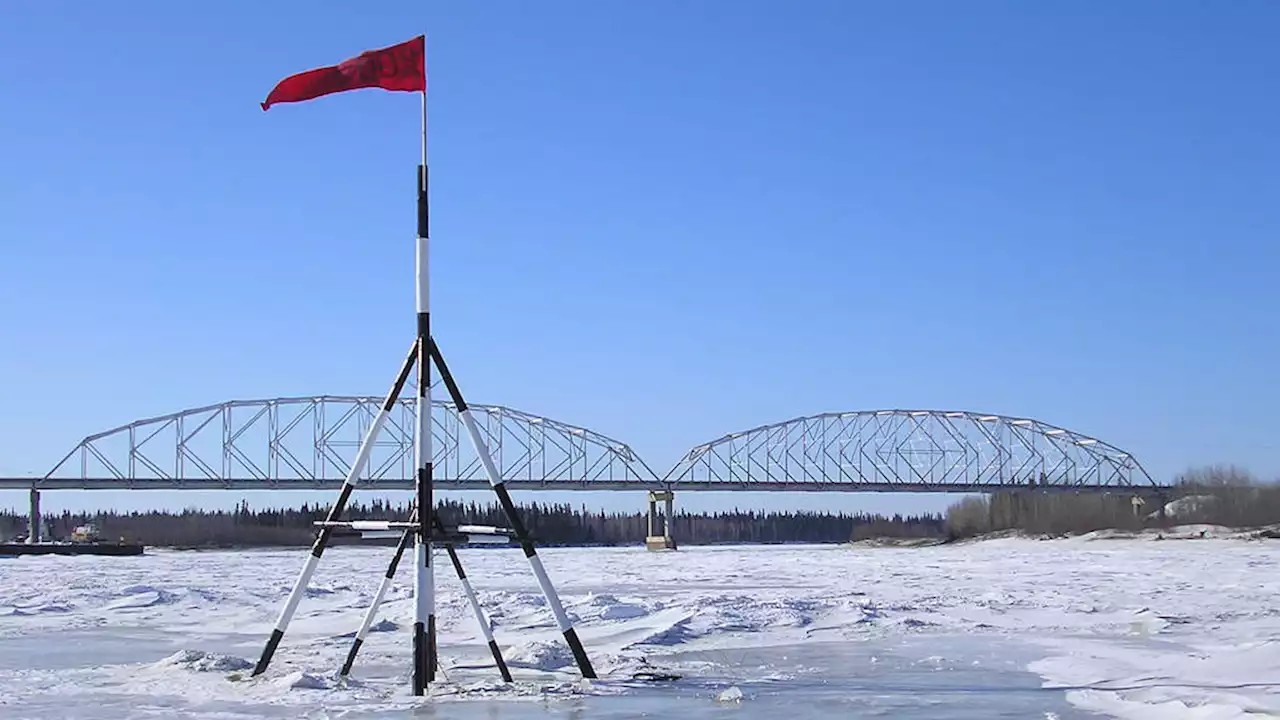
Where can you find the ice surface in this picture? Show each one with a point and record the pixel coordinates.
(1099, 626)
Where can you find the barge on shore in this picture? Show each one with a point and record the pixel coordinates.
(85, 540)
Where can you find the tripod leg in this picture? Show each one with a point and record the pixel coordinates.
(372, 612)
(475, 607)
(517, 525)
(335, 511)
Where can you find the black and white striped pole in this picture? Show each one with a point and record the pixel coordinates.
(513, 517)
(335, 511)
(424, 630)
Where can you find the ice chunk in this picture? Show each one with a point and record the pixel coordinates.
(732, 695)
(299, 680)
(201, 661)
(540, 655)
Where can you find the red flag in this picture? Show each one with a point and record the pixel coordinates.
(399, 67)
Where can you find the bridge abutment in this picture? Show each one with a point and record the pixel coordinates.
(33, 526)
(664, 541)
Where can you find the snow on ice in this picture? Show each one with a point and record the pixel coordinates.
(1096, 626)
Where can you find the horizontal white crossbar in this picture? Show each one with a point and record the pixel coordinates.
(378, 529)
(366, 524)
(454, 539)
(487, 539)
(483, 530)
(381, 534)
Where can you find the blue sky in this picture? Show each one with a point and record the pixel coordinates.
(661, 220)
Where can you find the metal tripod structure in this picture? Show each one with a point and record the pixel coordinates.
(415, 529)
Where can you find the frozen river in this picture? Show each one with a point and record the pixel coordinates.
(1017, 628)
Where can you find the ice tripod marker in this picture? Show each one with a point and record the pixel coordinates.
(403, 67)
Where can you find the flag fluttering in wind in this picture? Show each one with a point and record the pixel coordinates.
(398, 67)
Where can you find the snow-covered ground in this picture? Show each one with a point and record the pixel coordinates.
(1070, 628)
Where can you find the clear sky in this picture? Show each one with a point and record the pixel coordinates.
(661, 220)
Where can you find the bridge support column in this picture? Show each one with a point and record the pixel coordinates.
(654, 541)
(33, 528)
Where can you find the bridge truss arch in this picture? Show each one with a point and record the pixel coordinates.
(310, 442)
(908, 451)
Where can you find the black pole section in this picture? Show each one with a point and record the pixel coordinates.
(513, 517)
(335, 512)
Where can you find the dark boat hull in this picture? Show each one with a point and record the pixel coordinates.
(117, 549)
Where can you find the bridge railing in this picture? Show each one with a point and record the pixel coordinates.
(299, 442)
(312, 441)
(907, 450)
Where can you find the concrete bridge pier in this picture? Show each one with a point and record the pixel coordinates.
(664, 541)
(33, 526)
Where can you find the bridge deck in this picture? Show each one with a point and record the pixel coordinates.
(578, 485)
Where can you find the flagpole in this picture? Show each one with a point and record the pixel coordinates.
(424, 655)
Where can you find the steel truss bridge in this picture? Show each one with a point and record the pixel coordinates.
(310, 442)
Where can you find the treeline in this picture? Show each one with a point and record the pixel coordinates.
(760, 527)
(1218, 495)
(551, 524)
